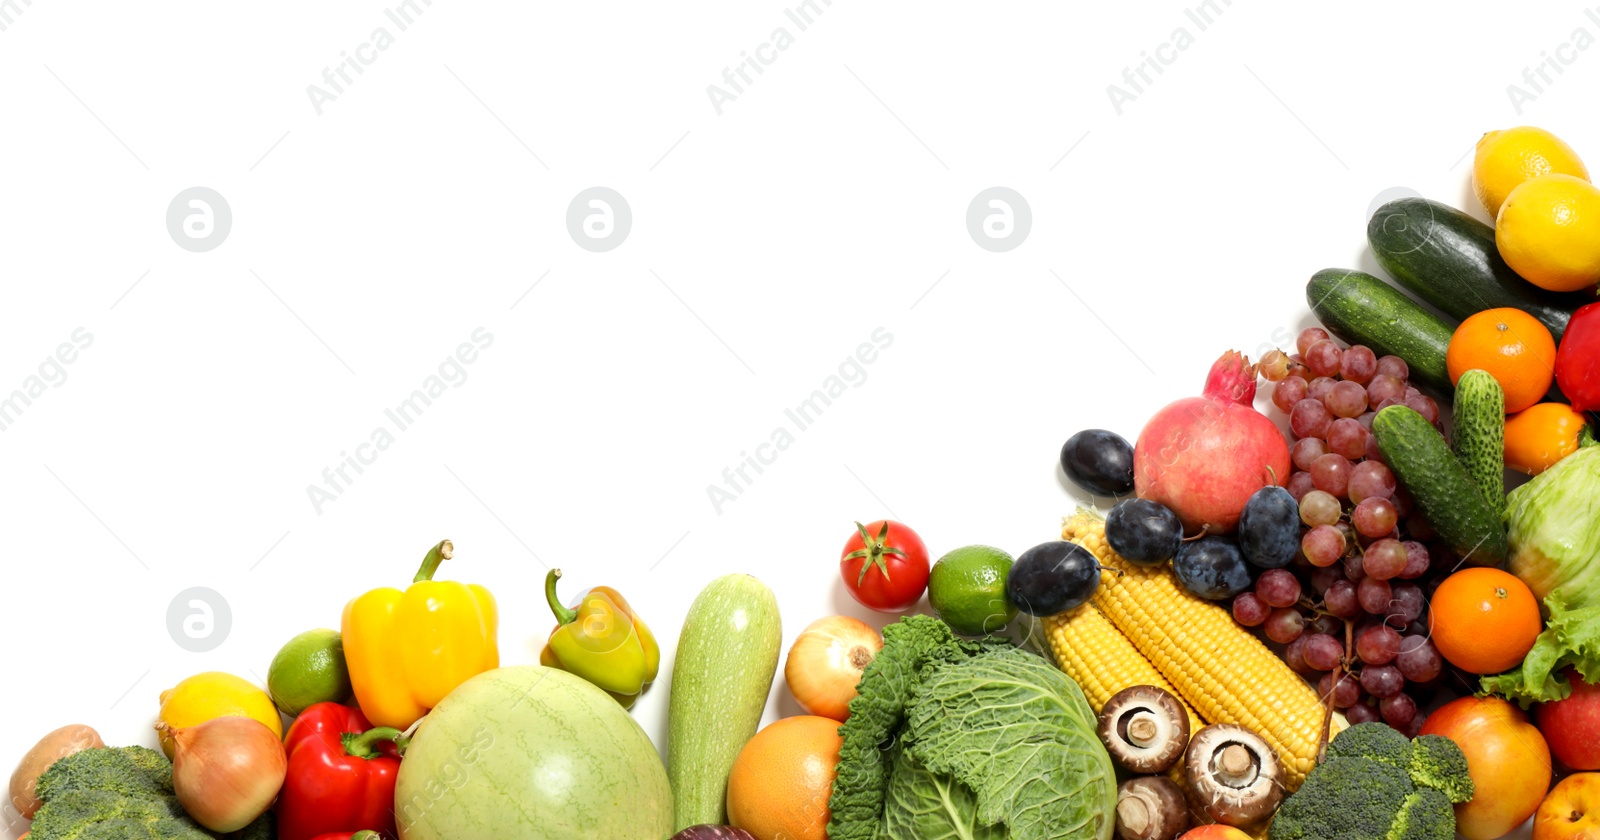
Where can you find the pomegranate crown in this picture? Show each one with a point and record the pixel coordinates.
(1232, 378)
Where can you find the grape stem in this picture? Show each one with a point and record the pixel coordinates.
(1327, 706)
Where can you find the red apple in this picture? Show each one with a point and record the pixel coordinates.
(1506, 757)
(1214, 832)
(1571, 811)
(1572, 726)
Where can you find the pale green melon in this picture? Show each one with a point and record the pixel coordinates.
(529, 752)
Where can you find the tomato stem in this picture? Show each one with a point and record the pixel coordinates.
(873, 550)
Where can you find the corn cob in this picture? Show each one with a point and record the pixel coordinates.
(1101, 660)
(1222, 671)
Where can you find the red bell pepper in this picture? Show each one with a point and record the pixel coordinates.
(1578, 360)
(341, 776)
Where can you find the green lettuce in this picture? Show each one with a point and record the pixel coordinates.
(1571, 639)
(968, 740)
(1554, 529)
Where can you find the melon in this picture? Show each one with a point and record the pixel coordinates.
(529, 752)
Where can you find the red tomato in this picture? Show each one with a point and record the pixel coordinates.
(885, 566)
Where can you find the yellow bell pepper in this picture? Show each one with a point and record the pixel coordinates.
(407, 650)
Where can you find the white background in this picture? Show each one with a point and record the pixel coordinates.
(826, 201)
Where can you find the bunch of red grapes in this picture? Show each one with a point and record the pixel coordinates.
(1355, 598)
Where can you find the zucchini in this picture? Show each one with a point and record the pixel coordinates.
(1480, 435)
(1361, 309)
(1449, 259)
(1440, 486)
(727, 656)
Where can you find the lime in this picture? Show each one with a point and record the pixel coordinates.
(309, 669)
(967, 589)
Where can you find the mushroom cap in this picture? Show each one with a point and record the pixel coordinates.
(1233, 774)
(1151, 808)
(1144, 728)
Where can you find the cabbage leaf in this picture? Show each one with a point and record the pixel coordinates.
(1021, 735)
(877, 714)
(931, 806)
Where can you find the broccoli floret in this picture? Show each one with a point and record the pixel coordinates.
(1377, 741)
(1436, 762)
(131, 771)
(1426, 815)
(120, 793)
(1377, 785)
(1345, 798)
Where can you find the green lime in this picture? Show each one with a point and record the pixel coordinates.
(967, 589)
(309, 669)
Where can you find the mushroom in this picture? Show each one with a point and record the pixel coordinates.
(1150, 808)
(1233, 774)
(1144, 728)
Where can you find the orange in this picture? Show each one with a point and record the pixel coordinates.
(780, 783)
(1542, 435)
(1483, 620)
(1513, 347)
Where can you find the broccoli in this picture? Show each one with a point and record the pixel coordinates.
(1377, 785)
(120, 793)
(1379, 743)
(1437, 762)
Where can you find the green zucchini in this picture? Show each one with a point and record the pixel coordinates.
(1480, 435)
(1361, 309)
(727, 656)
(1440, 486)
(1449, 259)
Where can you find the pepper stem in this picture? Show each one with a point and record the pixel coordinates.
(366, 835)
(563, 615)
(365, 744)
(430, 564)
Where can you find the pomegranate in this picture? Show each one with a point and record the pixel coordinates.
(1204, 456)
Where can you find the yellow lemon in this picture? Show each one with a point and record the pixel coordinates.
(1505, 159)
(1549, 232)
(213, 694)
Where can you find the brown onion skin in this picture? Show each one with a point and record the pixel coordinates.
(713, 832)
(227, 771)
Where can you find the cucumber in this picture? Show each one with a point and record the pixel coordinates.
(727, 656)
(1480, 444)
(1450, 260)
(1361, 309)
(1440, 486)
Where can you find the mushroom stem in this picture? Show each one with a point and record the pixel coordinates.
(1133, 814)
(1142, 729)
(1236, 765)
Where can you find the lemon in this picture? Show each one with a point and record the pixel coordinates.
(967, 589)
(309, 669)
(211, 695)
(1505, 159)
(1549, 232)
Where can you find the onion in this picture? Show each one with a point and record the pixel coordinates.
(227, 771)
(826, 662)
